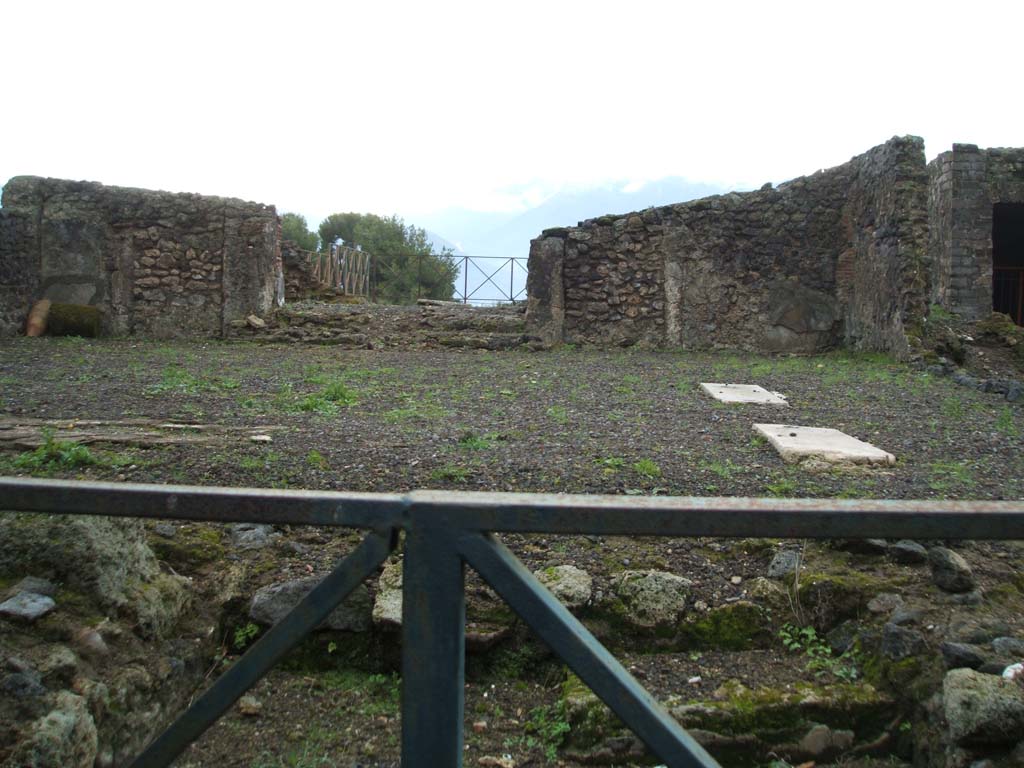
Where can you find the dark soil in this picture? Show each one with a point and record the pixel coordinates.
(568, 421)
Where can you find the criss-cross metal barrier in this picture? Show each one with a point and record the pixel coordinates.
(444, 532)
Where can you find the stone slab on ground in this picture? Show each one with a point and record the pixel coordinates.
(743, 393)
(796, 443)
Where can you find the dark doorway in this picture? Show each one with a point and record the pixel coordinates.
(1008, 260)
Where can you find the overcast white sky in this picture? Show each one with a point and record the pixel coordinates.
(412, 107)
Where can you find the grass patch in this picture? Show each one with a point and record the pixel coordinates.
(451, 473)
(471, 441)
(647, 468)
(55, 455)
(558, 414)
(316, 459)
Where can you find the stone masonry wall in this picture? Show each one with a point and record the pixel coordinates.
(965, 183)
(833, 256)
(299, 281)
(155, 263)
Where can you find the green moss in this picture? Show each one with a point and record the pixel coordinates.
(191, 547)
(74, 320)
(768, 713)
(907, 678)
(732, 627)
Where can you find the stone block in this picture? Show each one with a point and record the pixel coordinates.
(742, 393)
(798, 443)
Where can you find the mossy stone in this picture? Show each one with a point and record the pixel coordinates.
(74, 320)
(732, 627)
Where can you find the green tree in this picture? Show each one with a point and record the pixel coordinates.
(294, 227)
(405, 266)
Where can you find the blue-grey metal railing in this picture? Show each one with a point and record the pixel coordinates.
(444, 532)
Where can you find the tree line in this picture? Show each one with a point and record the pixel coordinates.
(405, 265)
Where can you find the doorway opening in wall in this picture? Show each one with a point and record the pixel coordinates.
(1008, 260)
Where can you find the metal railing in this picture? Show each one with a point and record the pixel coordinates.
(445, 531)
(492, 270)
(487, 280)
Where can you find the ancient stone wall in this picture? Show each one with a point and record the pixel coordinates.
(965, 184)
(299, 280)
(155, 263)
(833, 256)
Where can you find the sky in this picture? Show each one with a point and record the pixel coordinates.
(410, 108)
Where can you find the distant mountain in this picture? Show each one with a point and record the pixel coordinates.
(504, 234)
(439, 244)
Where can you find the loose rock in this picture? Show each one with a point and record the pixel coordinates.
(885, 602)
(962, 655)
(65, 737)
(908, 552)
(950, 571)
(1009, 646)
(27, 606)
(387, 606)
(271, 603)
(652, 598)
(784, 563)
(899, 642)
(571, 585)
(982, 709)
(252, 535)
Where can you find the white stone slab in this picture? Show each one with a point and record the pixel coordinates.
(743, 393)
(798, 443)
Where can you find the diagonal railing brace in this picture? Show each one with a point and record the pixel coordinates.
(311, 611)
(584, 654)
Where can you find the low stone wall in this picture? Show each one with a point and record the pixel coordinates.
(155, 263)
(833, 257)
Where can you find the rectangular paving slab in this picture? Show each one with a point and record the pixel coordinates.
(796, 444)
(743, 393)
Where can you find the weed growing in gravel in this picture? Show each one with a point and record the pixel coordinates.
(450, 473)
(471, 441)
(953, 407)
(610, 464)
(558, 414)
(546, 727)
(724, 469)
(819, 655)
(55, 454)
(262, 461)
(948, 474)
(647, 468)
(414, 409)
(1006, 423)
(175, 379)
(244, 635)
(316, 459)
(781, 487)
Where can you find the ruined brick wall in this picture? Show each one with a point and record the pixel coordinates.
(155, 263)
(299, 281)
(965, 184)
(833, 256)
(19, 270)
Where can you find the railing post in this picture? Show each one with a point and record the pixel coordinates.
(433, 660)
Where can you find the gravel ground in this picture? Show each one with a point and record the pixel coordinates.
(573, 421)
(568, 421)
